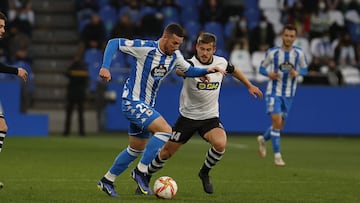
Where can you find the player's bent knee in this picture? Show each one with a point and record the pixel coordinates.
(3, 128)
(219, 146)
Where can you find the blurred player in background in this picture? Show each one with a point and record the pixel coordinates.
(155, 60)
(282, 65)
(199, 110)
(77, 74)
(10, 70)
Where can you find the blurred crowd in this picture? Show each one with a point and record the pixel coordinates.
(328, 30)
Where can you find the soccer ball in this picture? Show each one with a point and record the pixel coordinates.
(165, 187)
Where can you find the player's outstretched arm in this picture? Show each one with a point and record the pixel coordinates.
(110, 50)
(216, 69)
(22, 73)
(253, 90)
(197, 72)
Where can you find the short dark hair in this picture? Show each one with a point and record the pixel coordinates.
(289, 27)
(2, 16)
(176, 29)
(206, 38)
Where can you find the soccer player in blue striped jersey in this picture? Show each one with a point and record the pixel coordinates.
(282, 64)
(154, 61)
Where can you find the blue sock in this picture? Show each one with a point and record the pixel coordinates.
(275, 139)
(267, 135)
(153, 146)
(123, 160)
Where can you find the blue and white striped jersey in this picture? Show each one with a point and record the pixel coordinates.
(152, 66)
(280, 61)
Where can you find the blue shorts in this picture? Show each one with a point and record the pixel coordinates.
(140, 116)
(278, 105)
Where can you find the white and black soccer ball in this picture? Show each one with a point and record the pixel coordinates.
(165, 187)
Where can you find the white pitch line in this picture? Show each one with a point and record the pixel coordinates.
(232, 145)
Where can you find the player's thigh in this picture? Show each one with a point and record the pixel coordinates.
(217, 138)
(273, 104)
(159, 125)
(3, 126)
(286, 106)
(183, 129)
(213, 131)
(145, 117)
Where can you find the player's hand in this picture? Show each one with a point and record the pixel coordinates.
(205, 79)
(273, 76)
(216, 69)
(105, 75)
(255, 92)
(22, 73)
(293, 73)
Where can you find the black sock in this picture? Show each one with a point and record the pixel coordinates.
(204, 169)
(106, 181)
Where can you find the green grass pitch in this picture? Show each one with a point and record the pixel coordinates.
(60, 170)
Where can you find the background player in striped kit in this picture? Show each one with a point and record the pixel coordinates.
(199, 110)
(282, 64)
(155, 60)
(11, 70)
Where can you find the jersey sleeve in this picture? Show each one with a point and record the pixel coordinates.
(188, 69)
(8, 69)
(135, 47)
(303, 64)
(132, 47)
(181, 63)
(110, 50)
(230, 67)
(265, 64)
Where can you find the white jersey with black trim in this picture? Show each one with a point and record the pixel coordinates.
(152, 66)
(199, 100)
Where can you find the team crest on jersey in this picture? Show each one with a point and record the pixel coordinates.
(149, 112)
(159, 71)
(286, 66)
(207, 86)
(129, 43)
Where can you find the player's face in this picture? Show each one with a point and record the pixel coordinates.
(172, 43)
(2, 28)
(205, 52)
(288, 38)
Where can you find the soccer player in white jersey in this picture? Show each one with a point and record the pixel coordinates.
(22, 73)
(282, 64)
(199, 110)
(154, 61)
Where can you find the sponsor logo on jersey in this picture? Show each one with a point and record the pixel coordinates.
(207, 86)
(159, 71)
(286, 66)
